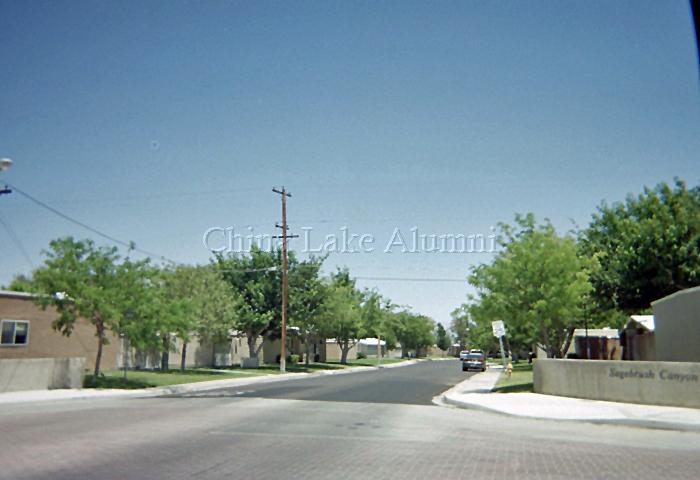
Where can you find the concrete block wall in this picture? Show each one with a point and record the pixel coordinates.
(41, 373)
(653, 383)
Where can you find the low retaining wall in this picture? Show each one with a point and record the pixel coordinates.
(653, 383)
(41, 373)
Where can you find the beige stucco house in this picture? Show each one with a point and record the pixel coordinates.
(677, 326)
(27, 332)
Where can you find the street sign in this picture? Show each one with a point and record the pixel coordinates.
(499, 329)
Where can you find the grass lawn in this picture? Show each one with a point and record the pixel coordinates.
(315, 366)
(372, 362)
(295, 368)
(145, 379)
(497, 360)
(521, 381)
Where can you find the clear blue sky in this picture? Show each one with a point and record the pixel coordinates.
(154, 121)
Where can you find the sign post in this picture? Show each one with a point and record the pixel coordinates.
(499, 330)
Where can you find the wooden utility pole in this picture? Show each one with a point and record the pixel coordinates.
(285, 286)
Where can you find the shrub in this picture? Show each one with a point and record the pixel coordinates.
(294, 358)
(361, 355)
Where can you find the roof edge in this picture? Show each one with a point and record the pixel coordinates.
(675, 294)
(13, 294)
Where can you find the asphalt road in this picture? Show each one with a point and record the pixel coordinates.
(415, 385)
(226, 436)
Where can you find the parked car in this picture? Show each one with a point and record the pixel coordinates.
(473, 361)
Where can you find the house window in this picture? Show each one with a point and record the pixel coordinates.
(14, 332)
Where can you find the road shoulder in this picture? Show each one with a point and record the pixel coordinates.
(474, 393)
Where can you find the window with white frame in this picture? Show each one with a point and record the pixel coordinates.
(14, 332)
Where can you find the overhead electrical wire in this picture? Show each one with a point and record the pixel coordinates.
(16, 240)
(411, 279)
(129, 245)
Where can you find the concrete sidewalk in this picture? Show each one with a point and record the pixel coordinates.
(473, 394)
(94, 393)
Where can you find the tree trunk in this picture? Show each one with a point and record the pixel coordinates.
(569, 338)
(544, 338)
(308, 350)
(344, 350)
(165, 355)
(183, 357)
(252, 351)
(506, 344)
(100, 342)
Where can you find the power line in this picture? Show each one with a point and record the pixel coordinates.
(16, 240)
(130, 199)
(129, 245)
(266, 269)
(414, 279)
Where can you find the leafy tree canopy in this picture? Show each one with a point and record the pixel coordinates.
(537, 284)
(647, 247)
(442, 339)
(81, 280)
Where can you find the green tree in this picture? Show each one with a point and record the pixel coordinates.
(442, 339)
(152, 315)
(256, 278)
(342, 315)
(80, 280)
(20, 283)
(537, 284)
(472, 328)
(374, 313)
(210, 308)
(413, 331)
(137, 312)
(647, 247)
(481, 331)
(307, 295)
(461, 326)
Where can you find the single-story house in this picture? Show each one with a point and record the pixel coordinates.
(677, 333)
(638, 338)
(595, 344)
(27, 332)
(330, 351)
(200, 353)
(368, 346)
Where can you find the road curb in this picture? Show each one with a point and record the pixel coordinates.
(643, 423)
(617, 413)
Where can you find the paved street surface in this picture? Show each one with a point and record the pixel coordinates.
(229, 434)
(416, 385)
